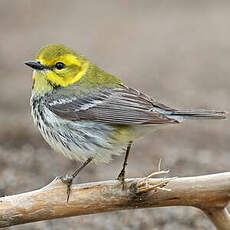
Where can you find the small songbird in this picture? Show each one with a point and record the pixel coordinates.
(90, 115)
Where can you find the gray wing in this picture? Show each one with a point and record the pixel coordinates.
(123, 106)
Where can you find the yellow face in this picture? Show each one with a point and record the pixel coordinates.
(56, 65)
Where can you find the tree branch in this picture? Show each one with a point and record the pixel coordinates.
(210, 193)
(220, 217)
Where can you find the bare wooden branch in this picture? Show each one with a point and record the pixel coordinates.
(210, 193)
(220, 217)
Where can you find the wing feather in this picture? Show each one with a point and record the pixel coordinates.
(123, 106)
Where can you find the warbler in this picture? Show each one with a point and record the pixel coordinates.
(90, 115)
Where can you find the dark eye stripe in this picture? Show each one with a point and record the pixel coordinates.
(59, 65)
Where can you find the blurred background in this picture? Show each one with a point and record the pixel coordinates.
(176, 51)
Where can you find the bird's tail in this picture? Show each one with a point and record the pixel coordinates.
(196, 114)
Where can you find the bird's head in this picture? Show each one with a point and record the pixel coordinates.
(57, 65)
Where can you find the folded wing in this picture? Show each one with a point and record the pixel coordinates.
(122, 106)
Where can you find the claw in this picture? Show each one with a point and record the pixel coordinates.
(68, 192)
(121, 178)
(68, 180)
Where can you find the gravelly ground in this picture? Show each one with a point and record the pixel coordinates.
(176, 51)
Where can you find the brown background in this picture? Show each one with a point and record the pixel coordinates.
(176, 51)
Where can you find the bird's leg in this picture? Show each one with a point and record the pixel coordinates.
(121, 176)
(68, 180)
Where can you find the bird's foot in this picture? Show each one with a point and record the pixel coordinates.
(121, 178)
(68, 180)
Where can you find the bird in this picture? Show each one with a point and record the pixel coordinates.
(90, 115)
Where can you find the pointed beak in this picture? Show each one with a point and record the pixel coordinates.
(35, 65)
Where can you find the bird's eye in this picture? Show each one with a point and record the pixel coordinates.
(59, 65)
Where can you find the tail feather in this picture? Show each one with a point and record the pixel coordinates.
(197, 114)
